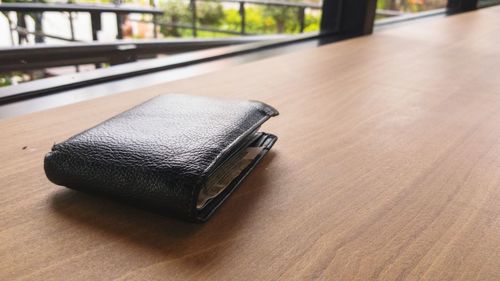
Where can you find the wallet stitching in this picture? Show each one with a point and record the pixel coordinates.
(196, 187)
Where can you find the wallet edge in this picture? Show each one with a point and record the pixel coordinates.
(204, 214)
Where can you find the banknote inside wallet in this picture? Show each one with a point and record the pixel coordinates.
(230, 169)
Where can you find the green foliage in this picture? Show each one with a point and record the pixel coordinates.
(285, 18)
(176, 12)
(209, 13)
(312, 22)
(232, 20)
(11, 78)
(5, 80)
(411, 6)
(257, 22)
(259, 19)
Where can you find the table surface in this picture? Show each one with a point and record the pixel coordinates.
(387, 167)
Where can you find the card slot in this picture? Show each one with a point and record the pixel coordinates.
(259, 149)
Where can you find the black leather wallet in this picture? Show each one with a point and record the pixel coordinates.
(178, 154)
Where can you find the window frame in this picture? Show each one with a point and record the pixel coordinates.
(341, 19)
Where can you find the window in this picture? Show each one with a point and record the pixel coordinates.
(389, 10)
(153, 26)
(46, 38)
(485, 3)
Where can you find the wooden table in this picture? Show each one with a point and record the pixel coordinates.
(387, 167)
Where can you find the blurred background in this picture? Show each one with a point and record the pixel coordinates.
(31, 26)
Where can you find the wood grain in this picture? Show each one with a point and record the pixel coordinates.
(387, 167)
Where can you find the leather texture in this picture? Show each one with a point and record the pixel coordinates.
(159, 154)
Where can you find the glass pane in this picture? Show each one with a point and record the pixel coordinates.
(483, 3)
(177, 19)
(390, 9)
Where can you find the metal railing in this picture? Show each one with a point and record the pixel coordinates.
(301, 7)
(95, 11)
(120, 11)
(41, 56)
(301, 15)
